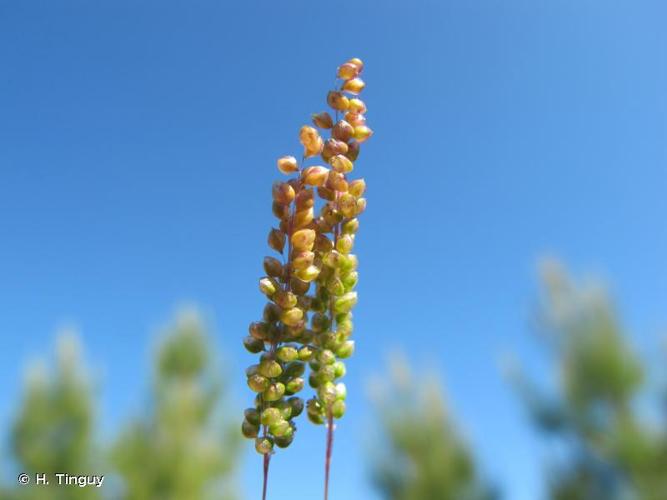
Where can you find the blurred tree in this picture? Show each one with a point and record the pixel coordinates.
(421, 455)
(610, 452)
(181, 450)
(53, 429)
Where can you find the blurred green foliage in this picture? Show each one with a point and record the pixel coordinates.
(53, 431)
(611, 452)
(421, 454)
(182, 448)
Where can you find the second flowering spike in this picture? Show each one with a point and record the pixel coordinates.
(310, 289)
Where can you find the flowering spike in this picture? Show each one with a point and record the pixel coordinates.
(277, 240)
(343, 131)
(353, 151)
(311, 141)
(310, 291)
(362, 133)
(338, 101)
(357, 62)
(282, 193)
(323, 120)
(315, 176)
(264, 445)
(354, 86)
(273, 267)
(347, 71)
(267, 287)
(341, 164)
(287, 165)
(356, 105)
(303, 239)
(357, 187)
(355, 120)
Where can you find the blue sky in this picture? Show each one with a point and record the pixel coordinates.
(137, 148)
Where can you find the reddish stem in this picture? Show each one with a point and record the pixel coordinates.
(267, 460)
(330, 419)
(327, 462)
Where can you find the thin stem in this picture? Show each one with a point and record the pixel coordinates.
(327, 462)
(330, 420)
(267, 460)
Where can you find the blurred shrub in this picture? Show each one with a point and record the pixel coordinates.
(610, 451)
(182, 448)
(421, 455)
(53, 429)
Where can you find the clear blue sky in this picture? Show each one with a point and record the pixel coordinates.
(137, 148)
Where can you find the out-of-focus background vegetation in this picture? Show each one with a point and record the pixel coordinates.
(137, 149)
(605, 428)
